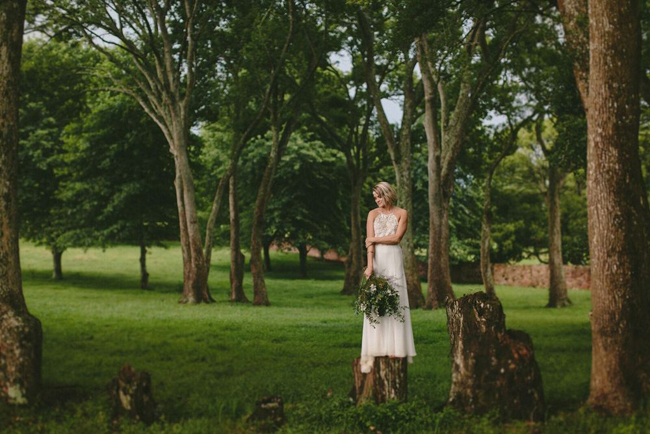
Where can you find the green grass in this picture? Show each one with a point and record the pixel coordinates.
(210, 363)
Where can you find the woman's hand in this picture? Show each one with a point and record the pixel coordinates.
(370, 241)
(368, 272)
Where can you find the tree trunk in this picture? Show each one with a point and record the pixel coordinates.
(557, 291)
(144, 275)
(302, 250)
(486, 231)
(178, 185)
(387, 381)
(280, 141)
(195, 285)
(492, 368)
(619, 219)
(131, 394)
(399, 150)
(354, 261)
(21, 333)
(236, 256)
(405, 194)
(267, 254)
(268, 415)
(439, 289)
(57, 273)
(575, 21)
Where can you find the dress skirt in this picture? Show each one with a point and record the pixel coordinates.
(390, 337)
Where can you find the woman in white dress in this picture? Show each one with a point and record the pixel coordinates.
(385, 228)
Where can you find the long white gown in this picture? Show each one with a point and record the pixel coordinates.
(390, 337)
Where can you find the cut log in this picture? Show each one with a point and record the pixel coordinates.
(492, 368)
(387, 381)
(269, 414)
(131, 395)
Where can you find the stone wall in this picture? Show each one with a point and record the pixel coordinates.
(577, 276)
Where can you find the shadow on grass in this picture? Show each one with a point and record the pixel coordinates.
(286, 266)
(95, 281)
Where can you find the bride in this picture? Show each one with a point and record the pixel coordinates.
(385, 228)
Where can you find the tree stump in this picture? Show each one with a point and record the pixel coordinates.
(387, 381)
(131, 394)
(491, 367)
(268, 414)
(21, 338)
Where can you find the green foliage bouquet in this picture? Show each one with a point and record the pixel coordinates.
(376, 297)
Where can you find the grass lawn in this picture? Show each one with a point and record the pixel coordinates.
(210, 363)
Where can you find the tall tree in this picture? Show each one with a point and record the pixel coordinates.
(506, 143)
(308, 182)
(557, 289)
(21, 333)
(281, 133)
(446, 121)
(115, 179)
(253, 57)
(286, 96)
(343, 112)
(372, 21)
(619, 218)
(545, 70)
(154, 62)
(53, 95)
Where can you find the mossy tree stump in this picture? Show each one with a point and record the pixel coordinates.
(387, 381)
(131, 395)
(491, 367)
(21, 338)
(269, 414)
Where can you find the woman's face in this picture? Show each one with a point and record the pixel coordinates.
(378, 199)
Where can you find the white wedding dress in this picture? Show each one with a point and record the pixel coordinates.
(390, 337)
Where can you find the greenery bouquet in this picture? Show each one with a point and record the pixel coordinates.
(376, 297)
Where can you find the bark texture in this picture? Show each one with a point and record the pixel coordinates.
(619, 219)
(558, 295)
(486, 236)
(575, 20)
(387, 381)
(281, 136)
(557, 290)
(57, 272)
(236, 256)
(195, 273)
(20, 333)
(491, 367)
(130, 393)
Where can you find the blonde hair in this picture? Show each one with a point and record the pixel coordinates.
(386, 192)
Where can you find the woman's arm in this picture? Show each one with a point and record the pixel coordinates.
(370, 232)
(396, 237)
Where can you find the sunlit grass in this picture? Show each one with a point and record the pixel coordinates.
(210, 363)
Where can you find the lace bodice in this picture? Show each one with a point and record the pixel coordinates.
(385, 224)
